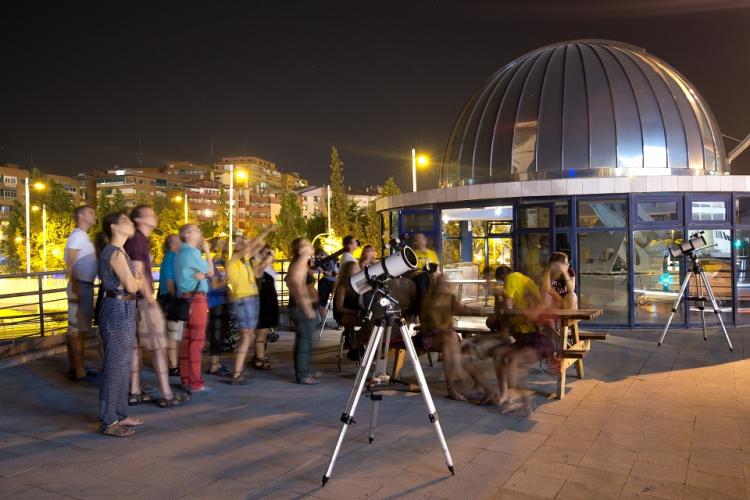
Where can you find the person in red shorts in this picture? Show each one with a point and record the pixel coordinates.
(192, 271)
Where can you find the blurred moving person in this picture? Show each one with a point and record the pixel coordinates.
(302, 308)
(81, 270)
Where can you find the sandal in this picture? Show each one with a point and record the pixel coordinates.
(518, 404)
(488, 400)
(221, 371)
(261, 363)
(310, 380)
(455, 395)
(116, 430)
(137, 399)
(241, 379)
(134, 422)
(179, 399)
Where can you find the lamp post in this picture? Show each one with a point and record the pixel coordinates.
(422, 160)
(39, 186)
(28, 233)
(185, 206)
(44, 233)
(231, 209)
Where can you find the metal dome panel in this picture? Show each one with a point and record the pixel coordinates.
(583, 108)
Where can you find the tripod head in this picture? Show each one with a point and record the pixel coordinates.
(381, 293)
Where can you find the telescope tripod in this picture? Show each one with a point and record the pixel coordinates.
(701, 280)
(378, 344)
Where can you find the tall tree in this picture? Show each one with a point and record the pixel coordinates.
(390, 188)
(290, 223)
(372, 232)
(315, 225)
(170, 220)
(339, 198)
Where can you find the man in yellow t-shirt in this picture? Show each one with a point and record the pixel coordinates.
(518, 292)
(425, 256)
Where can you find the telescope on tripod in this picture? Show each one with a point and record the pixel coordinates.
(697, 273)
(375, 279)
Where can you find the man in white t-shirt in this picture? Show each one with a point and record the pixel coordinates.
(81, 269)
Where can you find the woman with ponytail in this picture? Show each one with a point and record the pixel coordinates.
(117, 321)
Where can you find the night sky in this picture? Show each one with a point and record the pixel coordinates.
(82, 86)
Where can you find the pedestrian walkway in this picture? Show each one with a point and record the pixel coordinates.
(666, 422)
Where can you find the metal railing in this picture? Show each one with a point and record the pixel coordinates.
(36, 304)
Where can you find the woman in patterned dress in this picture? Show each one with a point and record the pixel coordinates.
(117, 321)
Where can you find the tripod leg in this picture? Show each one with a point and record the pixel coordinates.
(715, 305)
(433, 413)
(325, 318)
(676, 305)
(380, 368)
(347, 418)
(701, 303)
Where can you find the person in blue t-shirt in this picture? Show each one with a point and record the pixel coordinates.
(167, 290)
(218, 313)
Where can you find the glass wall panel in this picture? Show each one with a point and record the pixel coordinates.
(656, 211)
(602, 213)
(603, 274)
(743, 210)
(742, 257)
(473, 230)
(717, 264)
(499, 252)
(562, 214)
(479, 255)
(451, 252)
(534, 217)
(419, 223)
(656, 277)
(533, 254)
(708, 210)
(563, 244)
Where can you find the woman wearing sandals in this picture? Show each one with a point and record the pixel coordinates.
(268, 317)
(243, 290)
(117, 322)
(303, 310)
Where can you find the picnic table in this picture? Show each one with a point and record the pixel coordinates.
(568, 319)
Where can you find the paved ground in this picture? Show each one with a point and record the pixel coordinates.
(669, 422)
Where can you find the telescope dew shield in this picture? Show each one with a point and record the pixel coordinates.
(392, 266)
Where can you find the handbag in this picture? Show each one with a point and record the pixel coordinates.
(178, 308)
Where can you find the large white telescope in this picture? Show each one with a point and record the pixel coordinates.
(392, 266)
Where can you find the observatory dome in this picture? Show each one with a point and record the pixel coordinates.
(586, 108)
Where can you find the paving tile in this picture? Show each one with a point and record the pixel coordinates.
(640, 487)
(585, 490)
(534, 484)
(721, 485)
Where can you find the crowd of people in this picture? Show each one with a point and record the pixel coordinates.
(202, 290)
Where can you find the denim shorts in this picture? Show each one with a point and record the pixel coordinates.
(245, 311)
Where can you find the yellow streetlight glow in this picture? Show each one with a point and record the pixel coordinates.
(208, 213)
(39, 186)
(177, 198)
(34, 208)
(19, 239)
(241, 175)
(423, 160)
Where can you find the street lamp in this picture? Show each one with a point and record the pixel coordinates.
(422, 161)
(241, 176)
(39, 186)
(35, 209)
(184, 199)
